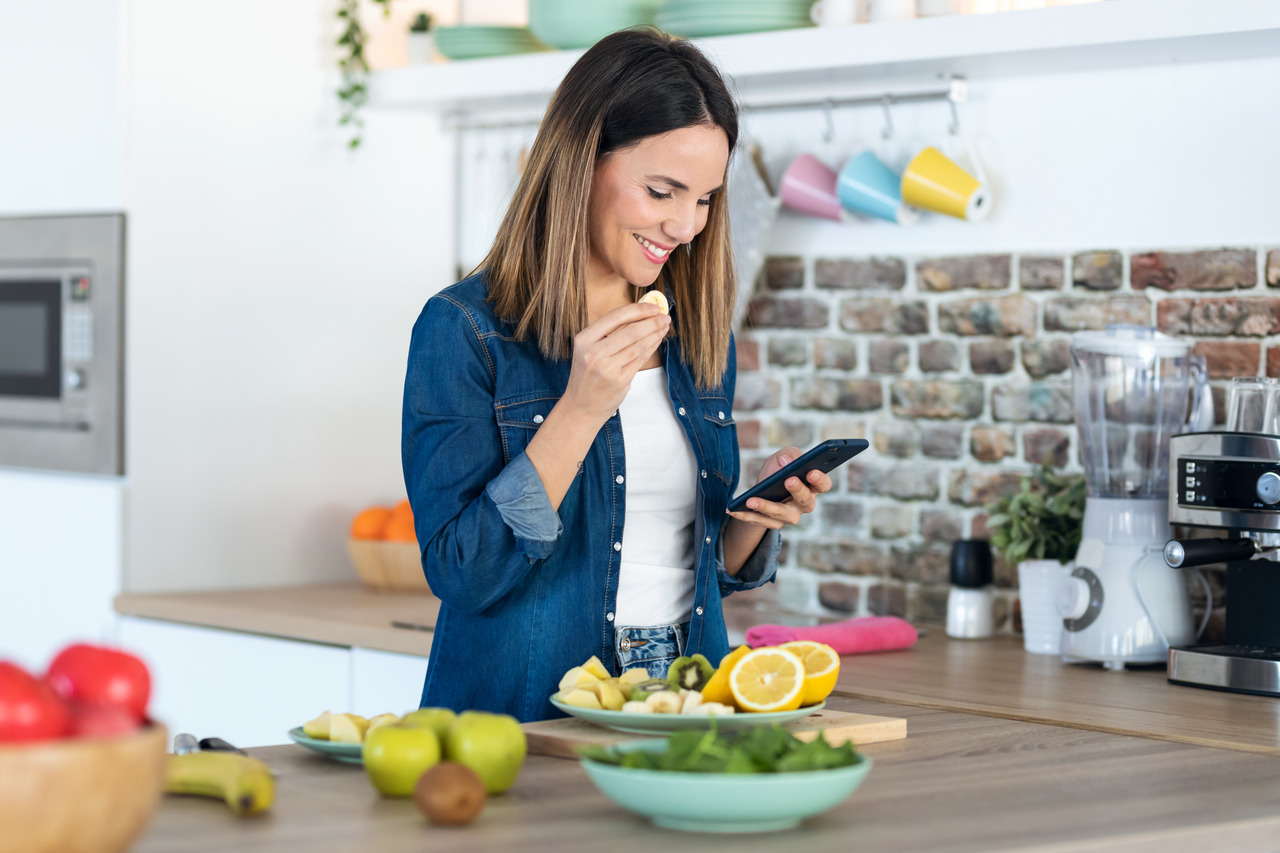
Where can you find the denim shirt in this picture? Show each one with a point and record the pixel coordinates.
(527, 592)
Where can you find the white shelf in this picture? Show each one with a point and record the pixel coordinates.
(1112, 34)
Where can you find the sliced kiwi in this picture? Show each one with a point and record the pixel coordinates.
(649, 685)
(690, 673)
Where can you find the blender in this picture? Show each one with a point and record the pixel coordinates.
(1133, 388)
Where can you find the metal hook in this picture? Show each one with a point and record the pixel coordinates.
(830, 132)
(955, 118)
(886, 132)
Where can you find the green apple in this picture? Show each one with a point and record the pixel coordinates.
(493, 745)
(395, 755)
(436, 719)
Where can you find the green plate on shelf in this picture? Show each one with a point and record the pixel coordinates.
(348, 752)
(647, 724)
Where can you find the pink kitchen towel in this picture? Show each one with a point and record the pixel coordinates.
(850, 637)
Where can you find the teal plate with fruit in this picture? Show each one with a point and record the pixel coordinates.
(348, 752)
(723, 802)
(647, 724)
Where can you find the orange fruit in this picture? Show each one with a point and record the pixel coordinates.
(370, 523)
(767, 679)
(821, 669)
(400, 525)
(717, 687)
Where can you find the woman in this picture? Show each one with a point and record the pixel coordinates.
(569, 452)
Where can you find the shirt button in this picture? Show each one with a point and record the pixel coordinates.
(618, 479)
(698, 610)
(537, 419)
(721, 415)
(681, 411)
(708, 540)
(704, 473)
(609, 616)
(617, 546)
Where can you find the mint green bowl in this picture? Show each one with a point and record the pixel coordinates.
(724, 802)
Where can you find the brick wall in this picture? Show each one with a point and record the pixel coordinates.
(956, 369)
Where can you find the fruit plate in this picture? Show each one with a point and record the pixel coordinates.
(348, 752)
(657, 723)
(724, 802)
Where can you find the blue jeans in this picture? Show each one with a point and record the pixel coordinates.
(653, 648)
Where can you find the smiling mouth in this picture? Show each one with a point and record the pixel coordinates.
(659, 252)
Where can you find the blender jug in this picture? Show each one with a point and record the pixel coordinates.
(1133, 388)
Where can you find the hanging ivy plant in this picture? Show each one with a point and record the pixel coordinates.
(354, 92)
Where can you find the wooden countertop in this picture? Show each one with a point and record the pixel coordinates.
(958, 782)
(341, 614)
(346, 614)
(998, 678)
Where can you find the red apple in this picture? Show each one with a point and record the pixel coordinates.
(100, 675)
(29, 709)
(93, 720)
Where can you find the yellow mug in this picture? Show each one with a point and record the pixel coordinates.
(934, 182)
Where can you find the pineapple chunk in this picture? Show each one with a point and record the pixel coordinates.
(576, 677)
(317, 728)
(634, 676)
(611, 698)
(596, 668)
(581, 698)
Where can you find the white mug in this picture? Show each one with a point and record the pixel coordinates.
(834, 13)
(891, 10)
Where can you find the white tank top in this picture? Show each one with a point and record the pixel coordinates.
(656, 583)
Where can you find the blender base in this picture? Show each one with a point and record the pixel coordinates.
(1233, 668)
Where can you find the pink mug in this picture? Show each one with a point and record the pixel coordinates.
(809, 187)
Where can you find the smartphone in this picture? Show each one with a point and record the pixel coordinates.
(826, 457)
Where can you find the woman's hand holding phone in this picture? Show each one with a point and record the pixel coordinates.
(803, 492)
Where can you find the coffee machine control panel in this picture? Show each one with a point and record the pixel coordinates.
(1229, 484)
(1225, 479)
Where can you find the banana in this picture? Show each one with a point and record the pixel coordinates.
(244, 783)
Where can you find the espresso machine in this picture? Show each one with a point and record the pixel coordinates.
(1231, 481)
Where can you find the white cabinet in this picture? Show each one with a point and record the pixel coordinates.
(385, 682)
(244, 688)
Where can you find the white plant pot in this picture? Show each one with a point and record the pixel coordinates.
(1038, 582)
(422, 48)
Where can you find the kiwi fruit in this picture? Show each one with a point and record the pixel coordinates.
(690, 673)
(650, 685)
(450, 794)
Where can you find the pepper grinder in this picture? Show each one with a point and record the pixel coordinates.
(971, 604)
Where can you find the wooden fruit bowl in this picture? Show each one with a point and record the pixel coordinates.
(389, 566)
(80, 795)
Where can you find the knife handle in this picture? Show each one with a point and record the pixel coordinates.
(217, 744)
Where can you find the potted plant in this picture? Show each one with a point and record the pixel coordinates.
(422, 49)
(1038, 529)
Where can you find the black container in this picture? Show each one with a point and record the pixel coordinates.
(971, 563)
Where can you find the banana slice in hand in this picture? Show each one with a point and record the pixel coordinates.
(657, 297)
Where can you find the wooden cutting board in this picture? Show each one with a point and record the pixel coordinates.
(558, 738)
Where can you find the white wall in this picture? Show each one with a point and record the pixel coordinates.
(274, 280)
(60, 84)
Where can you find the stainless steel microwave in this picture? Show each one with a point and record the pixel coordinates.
(61, 337)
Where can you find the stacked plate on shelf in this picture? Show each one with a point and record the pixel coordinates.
(474, 41)
(702, 18)
(575, 24)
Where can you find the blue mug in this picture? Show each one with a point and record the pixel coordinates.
(867, 186)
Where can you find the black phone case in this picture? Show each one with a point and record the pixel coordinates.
(825, 457)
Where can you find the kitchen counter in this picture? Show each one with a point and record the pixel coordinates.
(347, 614)
(340, 614)
(996, 677)
(958, 782)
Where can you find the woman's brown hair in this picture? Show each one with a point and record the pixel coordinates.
(629, 86)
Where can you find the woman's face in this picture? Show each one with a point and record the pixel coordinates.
(649, 199)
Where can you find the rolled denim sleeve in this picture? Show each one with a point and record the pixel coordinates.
(483, 524)
(524, 505)
(759, 569)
